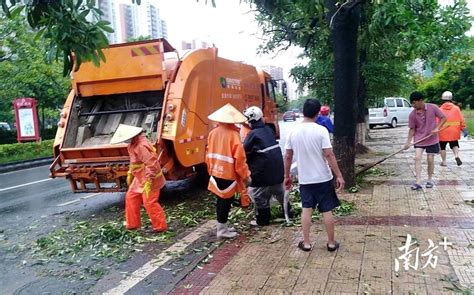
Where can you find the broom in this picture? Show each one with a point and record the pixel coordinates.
(393, 154)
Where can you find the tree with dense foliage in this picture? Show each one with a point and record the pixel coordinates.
(24, 71)
(456, 76)
(359, 50)
(64, 24)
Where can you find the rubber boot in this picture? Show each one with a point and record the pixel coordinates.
(263, 216)
(223, 232)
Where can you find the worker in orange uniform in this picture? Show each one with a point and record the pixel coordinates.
(451, 132)
(244, 195)
(226, 164)
(144, 179)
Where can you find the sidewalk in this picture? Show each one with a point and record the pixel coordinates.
(269, 262)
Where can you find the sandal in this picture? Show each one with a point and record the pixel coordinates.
(334, 248)
(302, 247)
(416, 187)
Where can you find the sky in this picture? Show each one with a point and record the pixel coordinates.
(232, 29)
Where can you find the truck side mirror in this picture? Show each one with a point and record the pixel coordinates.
(284, 90)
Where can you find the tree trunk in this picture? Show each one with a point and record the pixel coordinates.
(362, 111)
(345, 24)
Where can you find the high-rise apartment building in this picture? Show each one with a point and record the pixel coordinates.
(149, 21)
(131, 21)
(127, 19)
(108, 8)
(274, 71)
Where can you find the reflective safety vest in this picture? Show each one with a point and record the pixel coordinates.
(451, 130)
(225, 158)
(144, 165)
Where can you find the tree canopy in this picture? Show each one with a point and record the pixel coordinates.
(72, 29)
(389, 36)
(24, 71)
(456, 76)
(392, 35)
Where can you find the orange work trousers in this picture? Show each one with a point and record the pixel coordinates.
(133, 204)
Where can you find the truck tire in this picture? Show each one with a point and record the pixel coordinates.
(394, 123)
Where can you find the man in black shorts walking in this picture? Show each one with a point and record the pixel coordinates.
(424, 129)
(310, 144)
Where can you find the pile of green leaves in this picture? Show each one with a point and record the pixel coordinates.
(25, 151)
(184, 215)
(111, 239)
(97, 240)
(346, 207)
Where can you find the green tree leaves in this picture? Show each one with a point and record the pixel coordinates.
(457, 76)
(66, 27)
(24, 71)
(392, 35)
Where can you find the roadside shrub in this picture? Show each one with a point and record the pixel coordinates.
(25, 151)
(7, 137)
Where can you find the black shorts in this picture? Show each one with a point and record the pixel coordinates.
(323, 195)
(452, 144)
(430, 149)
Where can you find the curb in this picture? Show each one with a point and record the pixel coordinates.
(20, 165)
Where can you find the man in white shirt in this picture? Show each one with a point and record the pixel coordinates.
(309, 143)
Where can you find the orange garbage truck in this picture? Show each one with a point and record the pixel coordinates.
(147, 84)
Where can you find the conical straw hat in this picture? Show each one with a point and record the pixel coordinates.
(125, 132)
(227, 114)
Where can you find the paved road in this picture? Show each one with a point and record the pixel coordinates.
(30, 193)
(32, 205)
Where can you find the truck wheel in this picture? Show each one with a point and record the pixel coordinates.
(394, 123)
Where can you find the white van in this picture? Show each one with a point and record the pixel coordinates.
(393, 111)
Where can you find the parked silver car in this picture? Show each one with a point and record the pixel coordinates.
(393, 111)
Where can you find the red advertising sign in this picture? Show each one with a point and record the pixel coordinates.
(26, 119)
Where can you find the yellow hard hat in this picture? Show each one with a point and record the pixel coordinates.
(125, 132)
(228, 114)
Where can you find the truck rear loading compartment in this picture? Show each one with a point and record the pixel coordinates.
(93, 120)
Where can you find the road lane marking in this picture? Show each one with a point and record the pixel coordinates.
(165, 256)
(22, 185)
(78, 200)
(26, 169)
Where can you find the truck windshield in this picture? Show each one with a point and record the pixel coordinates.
(271, 89)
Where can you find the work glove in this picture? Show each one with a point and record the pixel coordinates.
(129, 178)
(464, 132)
(147, 188)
